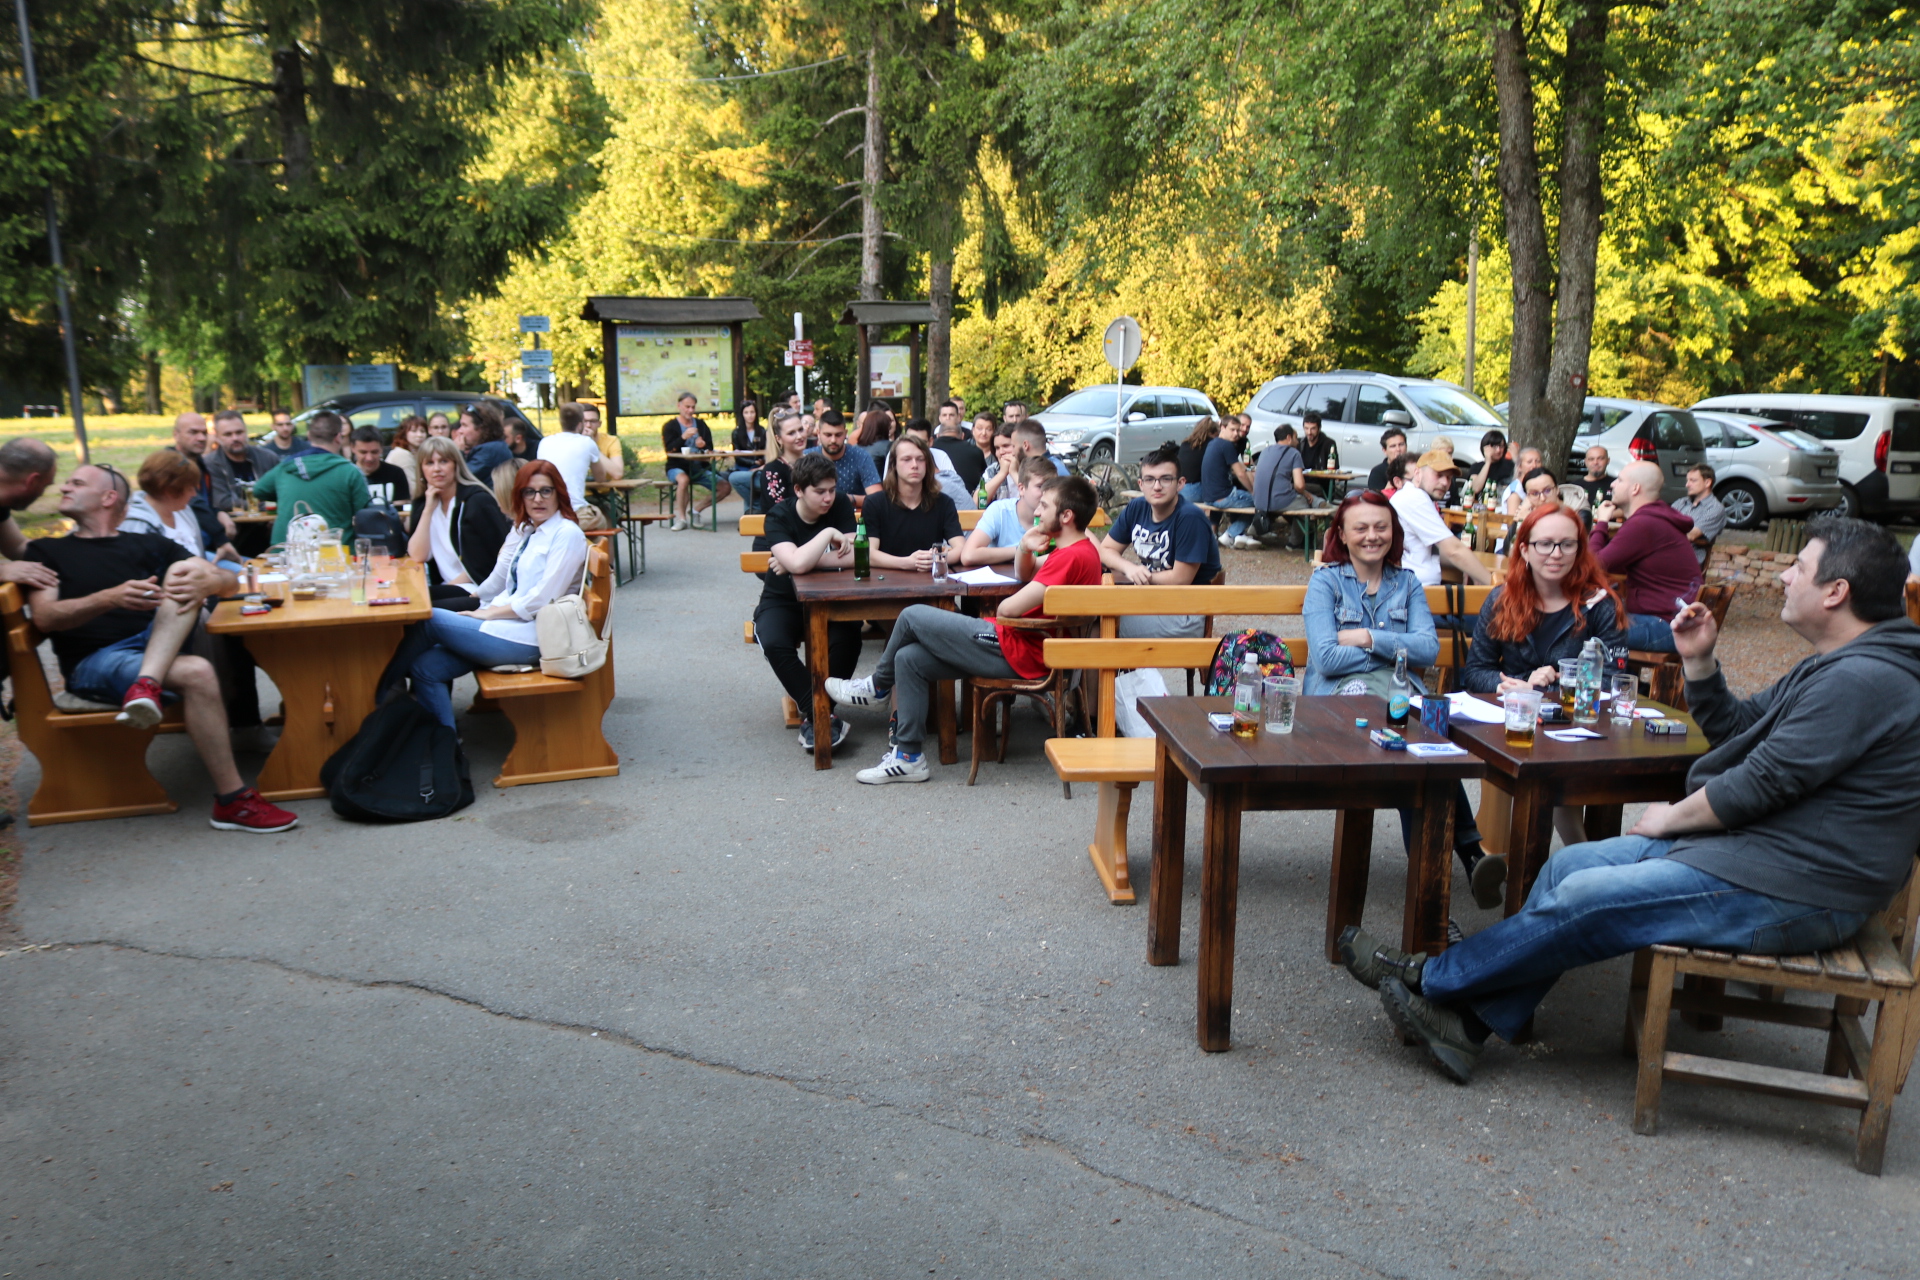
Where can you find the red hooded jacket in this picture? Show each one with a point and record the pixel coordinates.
(1652, 550)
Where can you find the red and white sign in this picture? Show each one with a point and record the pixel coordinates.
(799, 352)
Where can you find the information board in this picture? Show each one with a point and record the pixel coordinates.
(889, 370)
(655, 363)
(325, 381)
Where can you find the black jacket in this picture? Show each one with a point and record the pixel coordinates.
(478, 528)
(1555, 638)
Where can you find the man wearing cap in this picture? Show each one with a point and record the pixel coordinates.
(1429, 543)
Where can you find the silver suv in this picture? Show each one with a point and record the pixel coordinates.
(1356, 406)
(1146, 418)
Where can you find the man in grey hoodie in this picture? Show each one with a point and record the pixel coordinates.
(1799, 823)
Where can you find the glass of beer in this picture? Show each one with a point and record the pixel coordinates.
(1569, 682)
(1523, 715)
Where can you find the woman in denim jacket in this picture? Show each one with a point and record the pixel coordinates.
(1360, 608)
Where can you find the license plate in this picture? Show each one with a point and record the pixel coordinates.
(1680, 470)
(1905, 468)
(1828, 473)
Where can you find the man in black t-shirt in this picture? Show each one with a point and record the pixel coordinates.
(1393, 444)
(811, 530)
(385, 482)
(1315, 444)
(968, 462)
(124, 607)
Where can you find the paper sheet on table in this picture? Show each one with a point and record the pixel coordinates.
(1464, 706)
(984, 576)
(1425, 749)
(1571, 735)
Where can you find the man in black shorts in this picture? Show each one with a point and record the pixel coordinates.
(124, 607)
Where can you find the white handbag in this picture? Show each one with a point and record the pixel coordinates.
(569, 646)
(1128, 688)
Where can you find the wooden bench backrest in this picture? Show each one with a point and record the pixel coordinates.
(32, 695)
(599, 587)
(1913, 603)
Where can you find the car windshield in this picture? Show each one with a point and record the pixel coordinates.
(1094, 402)
(1452, 407)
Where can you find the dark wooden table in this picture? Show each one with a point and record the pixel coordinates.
(1325, 763)
(1622, 766)
(834, 595)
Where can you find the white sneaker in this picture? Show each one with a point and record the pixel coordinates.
(1244, 543)
(1226, 540)
(854, 693)
(676, 524)
(893, 767)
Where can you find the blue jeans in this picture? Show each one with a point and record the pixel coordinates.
(742, 482)
(1237, 526)
(1644, 631)
(106, 674)
(445, 647)
(1606, 898)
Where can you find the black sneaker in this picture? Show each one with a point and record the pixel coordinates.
(1370, 961)
(1440, 1029)
(1489, 881)
(840, 731)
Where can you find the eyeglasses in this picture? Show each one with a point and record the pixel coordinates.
(1155, 482)
(544, 491)
(1554, 548)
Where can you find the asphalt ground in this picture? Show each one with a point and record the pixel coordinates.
(727, 1016)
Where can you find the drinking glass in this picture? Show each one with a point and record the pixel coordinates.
(1278, 700)
(381, 563)
(1569, 682)
(362, 549)
(1626, 696)
(1523, 715)
(939, 565)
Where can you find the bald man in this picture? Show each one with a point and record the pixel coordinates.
(1651, 548)
(26, 469)
(190, 438)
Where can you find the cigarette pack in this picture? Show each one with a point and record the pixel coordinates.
(1664, 727)
(1435, 716)
(1388, 740)
(1221, 721)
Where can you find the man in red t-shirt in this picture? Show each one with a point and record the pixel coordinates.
(930, 645)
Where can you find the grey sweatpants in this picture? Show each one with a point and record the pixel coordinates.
(1161, 627)
(929, 645)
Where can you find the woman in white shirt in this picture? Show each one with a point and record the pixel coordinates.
(541, 561)
(457, 527)
(168, 480)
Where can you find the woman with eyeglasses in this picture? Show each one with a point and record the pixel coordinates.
(1556, 598)
(542, 561)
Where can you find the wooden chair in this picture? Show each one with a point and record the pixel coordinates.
(992, 698)
(1875, 968)
(1913, 603)
(557, 724)
(1666, 682)
(91, 766)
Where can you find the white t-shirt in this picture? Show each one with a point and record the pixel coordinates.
(1422, 529)
(573, 454)
(440, 538)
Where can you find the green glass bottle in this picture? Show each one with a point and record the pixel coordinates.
(862, 568)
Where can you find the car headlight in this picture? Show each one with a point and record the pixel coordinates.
(1069, 436)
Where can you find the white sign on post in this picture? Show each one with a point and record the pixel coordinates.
(537, 358)
(1121, 347)
(536, 324)
(537, 376)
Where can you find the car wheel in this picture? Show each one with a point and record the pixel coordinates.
(1101, 453)
(1746, 505)
(1849, 502)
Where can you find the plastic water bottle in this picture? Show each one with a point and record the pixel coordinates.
(1246, 699)
(1400, 702)
(862, 567)
(1586, 694)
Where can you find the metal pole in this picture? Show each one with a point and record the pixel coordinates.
(53, 252)
(799, 370)
(1473, 269)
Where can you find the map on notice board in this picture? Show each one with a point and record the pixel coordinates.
(889, 370)
(657, 362)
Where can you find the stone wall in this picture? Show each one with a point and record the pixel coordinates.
(1748, 568)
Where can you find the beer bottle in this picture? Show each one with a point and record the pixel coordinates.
(862, 567)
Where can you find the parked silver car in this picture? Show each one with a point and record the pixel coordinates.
(1877, 438)
(1764, 469)
(1639, 431)
(1357, 405)
(1145, 418)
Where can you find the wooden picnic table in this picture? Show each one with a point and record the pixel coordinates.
(325, 657)
(834, 595)
(1624, 765)
(1335, 481)
(1325, 763)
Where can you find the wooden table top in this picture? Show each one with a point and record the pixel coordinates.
(890, 584)
(1621, 749)
(1324, 747)
(254, 517)
(607, 486)
(410, 580)
(1332, 475)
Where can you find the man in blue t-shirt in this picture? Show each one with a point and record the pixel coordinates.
(1279, 481)
(1172, 542)
(996, 539)
(1225, 481)
(853, 468)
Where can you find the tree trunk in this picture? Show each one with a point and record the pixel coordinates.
(870, 258)
(1583, 93)
(151, 363)
(940, 332)
(1519, 177)
(290, 110)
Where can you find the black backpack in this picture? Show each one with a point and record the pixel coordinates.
(403, 766)
(381, 523)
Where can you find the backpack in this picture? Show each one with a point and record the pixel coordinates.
(402, 766)
(382, 523)
(1269, 650)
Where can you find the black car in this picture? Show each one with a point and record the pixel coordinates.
(386, 410)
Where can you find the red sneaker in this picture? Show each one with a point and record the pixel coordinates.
(141, 707)
(249, 812)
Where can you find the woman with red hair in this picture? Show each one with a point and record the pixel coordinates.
(1556, 598)
(544, 554)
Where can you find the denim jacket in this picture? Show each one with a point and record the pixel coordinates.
(1396, 615)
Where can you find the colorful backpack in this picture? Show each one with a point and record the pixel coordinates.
(1267, 649)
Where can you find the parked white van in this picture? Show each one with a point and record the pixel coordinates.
(1877, 438)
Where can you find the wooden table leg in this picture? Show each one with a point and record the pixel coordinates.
(1347, 883)
(822, 706)
(1165, 881)
(326, 677)
(1430, 872)
(1529, 841)
(943, 721)
(1603, 821)
(1219, 907)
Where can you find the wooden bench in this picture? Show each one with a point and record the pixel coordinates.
(638, 521)
(1875, 968)
(557, 731)
(91, 766)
